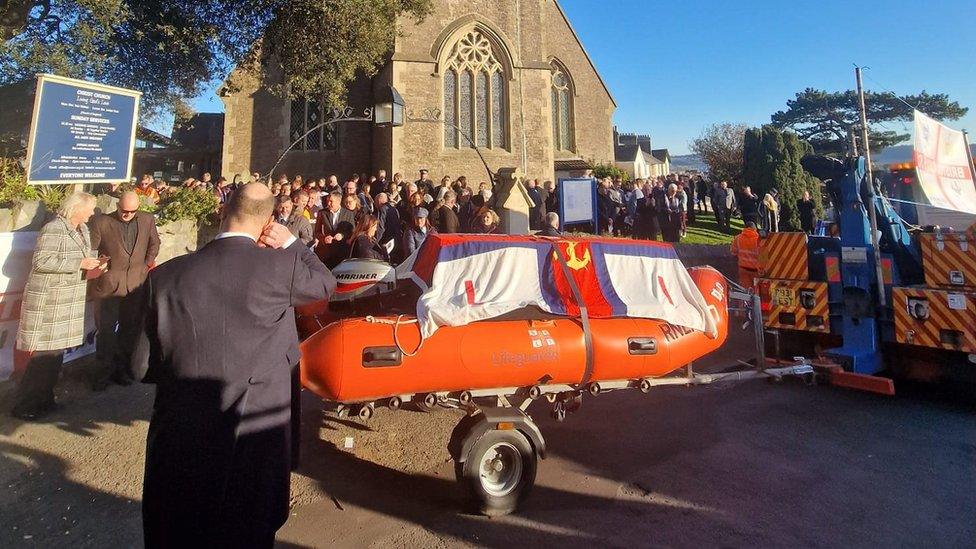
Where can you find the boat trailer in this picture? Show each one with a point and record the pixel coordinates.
(496, 445)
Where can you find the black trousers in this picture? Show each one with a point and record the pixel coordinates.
(722, 218)
(118, 319)
(36, 388)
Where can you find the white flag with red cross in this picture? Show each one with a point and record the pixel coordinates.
(944, 171)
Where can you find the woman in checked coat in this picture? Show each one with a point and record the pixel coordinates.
(52, 316)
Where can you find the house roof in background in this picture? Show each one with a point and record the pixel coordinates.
(651, 159)
(662, 154)
(145, 134)
(626, 153)
(203, 131)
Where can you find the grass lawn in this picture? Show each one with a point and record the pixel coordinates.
(703, 231)
(706, 231)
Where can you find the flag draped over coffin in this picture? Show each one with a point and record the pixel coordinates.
(466, 278)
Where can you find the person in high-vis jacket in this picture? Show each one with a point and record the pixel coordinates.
(746, 248)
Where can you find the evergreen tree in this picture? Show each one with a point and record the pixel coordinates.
(772, 161)
(825, 119)
(173, 49)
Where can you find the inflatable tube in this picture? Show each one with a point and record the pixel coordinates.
(364, 359)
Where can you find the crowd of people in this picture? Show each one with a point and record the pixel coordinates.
(390, 217)
(373, 217)
(666, 205)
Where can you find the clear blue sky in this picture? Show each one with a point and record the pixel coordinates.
(676, 67)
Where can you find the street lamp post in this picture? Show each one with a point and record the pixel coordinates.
(387, 112)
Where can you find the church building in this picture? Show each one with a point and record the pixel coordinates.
(510, 77)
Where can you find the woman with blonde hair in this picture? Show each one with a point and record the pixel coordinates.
(52, 315)
(485, 221)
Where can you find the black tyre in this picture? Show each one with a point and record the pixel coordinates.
(498, 472)
(427, 403)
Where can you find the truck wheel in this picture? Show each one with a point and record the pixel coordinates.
(498, 472)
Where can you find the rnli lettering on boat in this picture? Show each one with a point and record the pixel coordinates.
(674, 333)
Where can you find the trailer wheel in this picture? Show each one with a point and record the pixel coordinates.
(498, 472)
(644, 386)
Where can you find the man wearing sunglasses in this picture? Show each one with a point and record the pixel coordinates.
(129, 241)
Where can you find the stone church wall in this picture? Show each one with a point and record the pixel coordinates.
(256, 128)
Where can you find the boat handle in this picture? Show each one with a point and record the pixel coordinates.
(374, 357)
(642, 345)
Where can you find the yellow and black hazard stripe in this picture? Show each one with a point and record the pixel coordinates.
(784, 256)
(796, 305)
(949, 260)
(936, 318)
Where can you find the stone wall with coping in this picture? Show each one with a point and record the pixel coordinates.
(176, 238)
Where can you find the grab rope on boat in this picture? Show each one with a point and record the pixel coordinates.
(396, 325)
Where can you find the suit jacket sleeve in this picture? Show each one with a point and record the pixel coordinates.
(319, 231)
(95, 233)
(311, 280)
(305, 232)
(381, 225)
(153, 250)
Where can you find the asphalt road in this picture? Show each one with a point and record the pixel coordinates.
(739, 465)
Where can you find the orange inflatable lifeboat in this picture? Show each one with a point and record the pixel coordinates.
(567, 329)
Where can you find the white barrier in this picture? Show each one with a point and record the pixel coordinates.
(16, 251)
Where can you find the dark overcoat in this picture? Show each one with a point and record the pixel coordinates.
(219, 341)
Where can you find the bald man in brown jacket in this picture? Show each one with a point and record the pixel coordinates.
(130, 240)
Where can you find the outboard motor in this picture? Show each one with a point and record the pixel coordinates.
(359, 278)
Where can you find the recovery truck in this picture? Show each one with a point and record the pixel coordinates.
(820, 295)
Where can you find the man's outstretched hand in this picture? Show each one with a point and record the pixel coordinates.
(275, 235)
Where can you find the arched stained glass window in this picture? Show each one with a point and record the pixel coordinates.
(475, 91)
(562, 110)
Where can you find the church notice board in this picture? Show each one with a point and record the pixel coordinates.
(577, 202)
(81, 132)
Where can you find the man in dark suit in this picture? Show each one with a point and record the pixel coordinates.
(219, 341)
(333, 226)
(130, 240)
(445, 218)
(552, 225)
